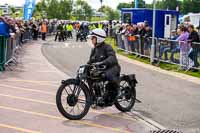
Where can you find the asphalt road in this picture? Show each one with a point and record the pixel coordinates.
(28, 101)
(170, 101)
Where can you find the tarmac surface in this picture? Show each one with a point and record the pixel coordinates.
(168, 98)
(27, 101)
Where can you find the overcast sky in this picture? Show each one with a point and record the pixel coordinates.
(94, 3)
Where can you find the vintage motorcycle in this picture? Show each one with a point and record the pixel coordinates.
(75, 96)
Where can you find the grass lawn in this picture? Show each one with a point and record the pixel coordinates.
(165, 66)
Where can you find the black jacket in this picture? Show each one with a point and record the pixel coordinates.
(194, 37)
(106, 55)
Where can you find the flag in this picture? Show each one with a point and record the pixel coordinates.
(28, 9)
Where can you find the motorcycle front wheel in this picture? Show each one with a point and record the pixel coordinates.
(72, 99)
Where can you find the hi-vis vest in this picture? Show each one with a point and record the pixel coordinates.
(44, 28)
(69, 27)
(100, 26)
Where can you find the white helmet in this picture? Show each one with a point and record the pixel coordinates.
(99, 34)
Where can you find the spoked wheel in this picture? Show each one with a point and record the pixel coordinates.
(72, 100)
(127, 101)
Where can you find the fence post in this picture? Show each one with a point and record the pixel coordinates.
(2, 52)
(153, 33)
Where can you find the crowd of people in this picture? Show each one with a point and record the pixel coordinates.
(136, 38)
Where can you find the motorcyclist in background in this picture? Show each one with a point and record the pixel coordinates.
(103, 54)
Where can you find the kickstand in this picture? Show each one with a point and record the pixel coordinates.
(138, 101)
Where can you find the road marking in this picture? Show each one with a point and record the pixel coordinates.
(93, 111)
(84, 122)
(145, 121)
(26, 70)
(27, 99)
(25, 89)
(48, 83)
(18, 128)
(139, 117)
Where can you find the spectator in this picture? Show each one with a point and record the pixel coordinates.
(193, 37)
(147, 40)
(35, 31)
(131, 39)
(175, 48)
(141, 33)
(69, 30)
(59, 33)
(170, 46)
(184, 48)
(44, 30)
(123, 31)
(4, 27)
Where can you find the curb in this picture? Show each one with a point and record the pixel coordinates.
(157, 69)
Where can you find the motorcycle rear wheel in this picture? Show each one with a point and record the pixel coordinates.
(128, 96)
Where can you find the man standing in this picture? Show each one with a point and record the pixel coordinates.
(44, 30)
(194, 39)
(70, 29)
(35, 31)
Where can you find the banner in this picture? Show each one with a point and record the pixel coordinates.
(28, 9)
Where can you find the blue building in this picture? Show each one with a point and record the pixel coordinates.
(166, 20)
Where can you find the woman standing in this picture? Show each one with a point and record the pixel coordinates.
(184, 48)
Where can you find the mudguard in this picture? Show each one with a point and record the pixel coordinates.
(130, 78)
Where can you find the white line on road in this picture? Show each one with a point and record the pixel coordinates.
(18, 128)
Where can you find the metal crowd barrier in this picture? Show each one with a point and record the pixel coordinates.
(168, 51)
(138, 45)
(10, 47)
(2, 51)
(26, 36)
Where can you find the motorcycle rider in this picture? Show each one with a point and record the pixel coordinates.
(103, 54)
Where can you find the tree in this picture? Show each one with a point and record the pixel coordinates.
(110, 13)
(39, 8)
(141, 4)
(83, 10)
(190, 6)
(1, 12)
(124, 5)
(65, 9)
(60, 9)
(13, 10)
(168, 4)
(53, 10)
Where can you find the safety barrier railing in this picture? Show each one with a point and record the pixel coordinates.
(184, 54)
(137, 45)
(13, 46)
(10, 48)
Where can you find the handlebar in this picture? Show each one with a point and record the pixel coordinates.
(100, 67)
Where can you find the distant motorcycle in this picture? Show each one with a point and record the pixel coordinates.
(75, 96)
(82, 36)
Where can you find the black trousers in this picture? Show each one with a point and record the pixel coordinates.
(59, 35)
(35, 35)
(43, 36)
(70, 34)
